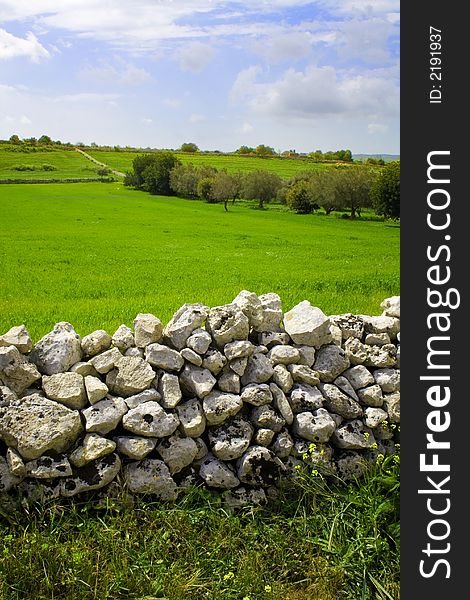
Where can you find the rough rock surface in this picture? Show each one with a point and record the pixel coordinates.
(230, 398)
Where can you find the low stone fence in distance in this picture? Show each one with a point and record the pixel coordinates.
(232, 398)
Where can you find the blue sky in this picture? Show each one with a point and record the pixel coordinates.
(291, 74)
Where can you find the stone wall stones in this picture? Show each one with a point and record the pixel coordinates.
(232, 398)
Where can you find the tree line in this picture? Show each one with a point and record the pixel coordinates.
(337, 188)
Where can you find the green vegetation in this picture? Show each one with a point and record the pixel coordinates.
(317, 541)
(284, 167)
(39, 164)
(97, 255)
(386, 191)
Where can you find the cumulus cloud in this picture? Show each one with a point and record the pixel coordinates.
(316, 91)
(365, 40)
(195, 56)
(12, 47)
(129, 74)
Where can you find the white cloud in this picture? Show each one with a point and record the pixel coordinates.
(293, 45)
(106, 74)
(195, 56)
(87, 97)
(24, 120)
(365, 40)
(12, 47)
(172, 102)
(194, 118)
(315, 92)
(147, 120)
(246, 127)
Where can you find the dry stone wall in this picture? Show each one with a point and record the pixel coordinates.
(233, 398)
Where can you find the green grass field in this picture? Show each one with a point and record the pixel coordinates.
(284, 167)
(67, 163)
(97, 254)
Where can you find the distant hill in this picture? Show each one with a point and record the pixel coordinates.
(386, 157)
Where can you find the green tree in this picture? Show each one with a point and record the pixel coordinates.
(184, 179)
(189, 147)
(299, 197)
(205, 189)
(262, 186)
(227, 186)
(151, 172)
(385, 192)
(351, 188)
(14, 139)
(45, 140)
(263, 150)
(246, 150)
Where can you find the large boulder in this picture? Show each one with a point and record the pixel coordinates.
(183, 323)
(307, 325)
(58, 350)
(36, 425)
(15, 370)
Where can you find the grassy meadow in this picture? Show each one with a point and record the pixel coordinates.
(284, 167)
(65, 163)
(97, 254)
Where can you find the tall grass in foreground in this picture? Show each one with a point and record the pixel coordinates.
(317, 541)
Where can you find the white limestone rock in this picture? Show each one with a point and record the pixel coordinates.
(284, 355)
(214, 361)
(304, 397)
(353, 435)
(141, 397)
(191, 356)
(34, 425)
(197, 381)
(303, 374)
(16, 372)
(391, 307)
(58, 350)
(148, 329)
(94, 446)
(330, 362)
(192, 418)
(96, 342)
(170, 391)
(150, 420)
(162, 357)
(177, 452)
(265, 417)
(19, 337)
(257, 394)
(337, 402)
(388, 379)
(15, 463)
(95, 389)
(359, 376)
(93, 476)
(184, 322)
(217, 474)
(229, 382)
(66, 388)
(105, 415)
(281, 404)
(123, 338)
(104, 362)
(230, 440)
(283, 378)
(130, 376)
(7, 479)
(259, 467)
(307, 325)
(219, 406)
(226, 324)
(316, 426)
(259, 370)
(199, 341)
(371, 395)
(150, 476)
(134, 447)
(48, 467)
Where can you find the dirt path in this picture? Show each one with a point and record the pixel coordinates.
(97, 162)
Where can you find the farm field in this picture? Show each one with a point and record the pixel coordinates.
(284, 167)
(66, 163)
(97, 254)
